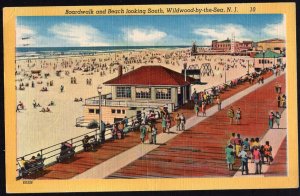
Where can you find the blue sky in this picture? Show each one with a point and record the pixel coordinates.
(60, 31)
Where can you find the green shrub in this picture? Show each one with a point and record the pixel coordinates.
(93, 124)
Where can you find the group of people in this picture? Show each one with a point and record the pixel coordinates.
(244, 150)
(73, 80)
(151, 130)
(89, 81)
(274, 118)
(44, 109)
(237, 115)
(180, 122)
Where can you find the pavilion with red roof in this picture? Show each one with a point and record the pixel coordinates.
(151, 84)
(145, 87)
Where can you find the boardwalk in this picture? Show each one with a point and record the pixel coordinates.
(87, 160)
(199, 152)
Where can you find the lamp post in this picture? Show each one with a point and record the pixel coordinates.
(225, 67)
(248, 68)
(263, 59)
(99, 89)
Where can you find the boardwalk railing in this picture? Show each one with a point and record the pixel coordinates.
(50, 153)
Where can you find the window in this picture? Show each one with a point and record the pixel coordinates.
(259, 61)
(143, 93)
(91, 110)
(118, 111)
(123, 92)
(97, 111)
(123, 111)
(163, 93)
(113, 111)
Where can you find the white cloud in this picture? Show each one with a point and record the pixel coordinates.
(222, 32)
(143, 36)
(25, 35)
(275, 30)
(78, 35)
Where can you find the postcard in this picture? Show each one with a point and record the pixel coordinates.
(150, 97)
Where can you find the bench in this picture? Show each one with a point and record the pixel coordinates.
(66, 154)
(32, 168)
(90, 144)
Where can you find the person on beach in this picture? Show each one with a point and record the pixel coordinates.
(62, 88)
(219, 102)
(204, 109)
(154, 133)
(283, 101)
(277, 118)
(163, 123)
(177, 121)
(230, 114)
(271, 120)
(238, 116)
(182, 122)
(257, 160)
(229, 157)
(196, 108)
(244, 159)
(143, 130)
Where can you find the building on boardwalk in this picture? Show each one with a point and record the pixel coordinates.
(267, 59)
(231, 46)
(276, 45)
(148, 87)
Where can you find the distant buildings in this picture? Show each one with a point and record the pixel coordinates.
(248, 47)
(230, 46)
(267, 59)
(277, 45)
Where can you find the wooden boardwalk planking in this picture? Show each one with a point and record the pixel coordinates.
(199, 152)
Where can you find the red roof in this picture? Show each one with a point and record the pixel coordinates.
(151, 75)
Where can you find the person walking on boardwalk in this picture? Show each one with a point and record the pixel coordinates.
(204, 109)
(283, 101)
(238, 142)
(230, 114)
(229, 157)
(277, 118)
(271, 120)
(267, 149)
(143, 130)
(219, 102)
(177, 121)
(257, 160)
(154, 133)
(196, 108)
(278, 100)
(182, 122)
(164, 123)
(238, 116)
(168, 122)
(244, 159)
(149, 131)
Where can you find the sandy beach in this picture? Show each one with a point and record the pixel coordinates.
(36, 130)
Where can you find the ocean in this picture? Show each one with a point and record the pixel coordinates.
(47, 52)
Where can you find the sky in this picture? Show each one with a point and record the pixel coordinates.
(80, 31)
